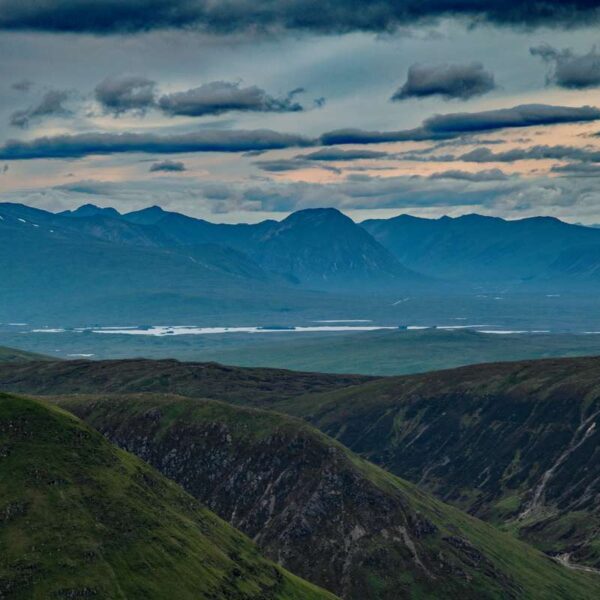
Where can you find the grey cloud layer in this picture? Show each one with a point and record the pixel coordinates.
(118, 95)
(447, 126)
(540, 152)
(440, 127)
(219, 97)
(448, 81)
(168, 166)
(112, 16)
(121, 94)
(78, 145)
(51, 105)
(568, 69)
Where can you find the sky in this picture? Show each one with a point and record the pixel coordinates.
(240, 111)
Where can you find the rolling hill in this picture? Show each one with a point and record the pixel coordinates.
(81, 518)
(512, 443)
(260, 387)
(13, 355)
(321, 511)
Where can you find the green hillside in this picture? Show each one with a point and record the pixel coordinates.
(80, 518)
(330, 516)
(517, 444)
(208, 380)
(14, 355)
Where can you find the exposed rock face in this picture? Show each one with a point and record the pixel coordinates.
(308, 503)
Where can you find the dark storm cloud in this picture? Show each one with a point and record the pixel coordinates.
(448, 81)
(338, 154)
(51, 105)
(333, 16)
(168, 166)
(453, 125)
(479, 176)
(24, 85)
(121, 94)
(542, 152)
(84, 144)
(568, 69)
(218, 97)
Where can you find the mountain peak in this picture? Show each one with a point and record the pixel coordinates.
(318, 215)
(146, 216)
(91, 210)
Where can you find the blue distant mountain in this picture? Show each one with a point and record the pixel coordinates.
(477, 249)
(154, 264)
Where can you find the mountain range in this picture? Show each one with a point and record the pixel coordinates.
(95, 263)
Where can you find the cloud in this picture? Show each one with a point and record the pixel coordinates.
(334, 16)
(568, 69)
(577, 170)
(574, 198)
(448, 126)
(24, 85)
(51, 105)
(448, 81)
(4, 169)
(293, 164)
(541, 152)
(282, 165)
(169, 166)
(84, 144)
(117, 95)
(338, 154)
(486, 175)
(218, 97)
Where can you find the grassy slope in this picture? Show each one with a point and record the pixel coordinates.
(210, 380)
(464, 557)
(81, 518)
(14, 355)
(485, 438)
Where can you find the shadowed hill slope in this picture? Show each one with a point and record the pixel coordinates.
(13, 355)
(323, 512)
(81, 518)
(514, 443)
(209, 380)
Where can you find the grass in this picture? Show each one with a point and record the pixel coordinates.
(14, 355)
(479, 560)
(81, 518)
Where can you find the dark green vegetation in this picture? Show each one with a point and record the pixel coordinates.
(517, 444)
(80, 518)
(328, 515)
(208, 380)
(14, 355)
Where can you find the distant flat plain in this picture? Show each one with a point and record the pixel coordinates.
(385, 352)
